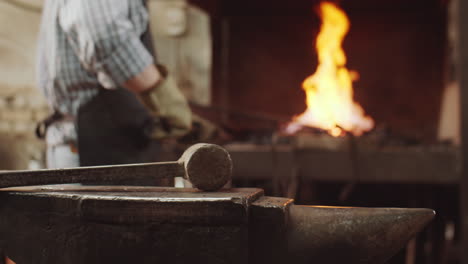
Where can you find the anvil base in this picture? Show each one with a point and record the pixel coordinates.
(96, 225)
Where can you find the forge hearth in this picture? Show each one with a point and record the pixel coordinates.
(322, 158)
(263, 52)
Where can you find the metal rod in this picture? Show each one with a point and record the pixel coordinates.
(92, 174)
(208, 167)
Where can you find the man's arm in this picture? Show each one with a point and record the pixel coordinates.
(109, 44)
(144, 81)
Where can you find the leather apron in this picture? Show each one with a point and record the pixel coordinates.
(113, 127)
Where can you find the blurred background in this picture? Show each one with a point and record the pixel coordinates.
(242, 66)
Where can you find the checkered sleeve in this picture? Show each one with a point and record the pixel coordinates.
(105, 39)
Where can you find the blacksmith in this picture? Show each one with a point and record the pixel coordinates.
(111, 102)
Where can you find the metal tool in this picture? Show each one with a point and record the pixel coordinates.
(351, 235)
(138, 224)
(208, 167)
(283, 232)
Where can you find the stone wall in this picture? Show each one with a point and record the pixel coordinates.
(21, 105)
(183, 42)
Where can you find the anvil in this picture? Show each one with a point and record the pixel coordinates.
(96, 225)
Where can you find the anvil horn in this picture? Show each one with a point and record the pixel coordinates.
(351, 235)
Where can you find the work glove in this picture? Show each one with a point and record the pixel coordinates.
(169, 107)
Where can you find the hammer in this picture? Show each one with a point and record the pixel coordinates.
(208, 167)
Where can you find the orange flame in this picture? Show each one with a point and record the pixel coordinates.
(329, 91)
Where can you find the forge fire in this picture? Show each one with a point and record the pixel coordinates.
(329, 91)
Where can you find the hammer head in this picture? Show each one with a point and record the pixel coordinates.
(208, 167)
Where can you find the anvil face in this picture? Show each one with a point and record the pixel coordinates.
(71, 225)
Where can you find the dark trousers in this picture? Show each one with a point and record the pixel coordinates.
(113, 129)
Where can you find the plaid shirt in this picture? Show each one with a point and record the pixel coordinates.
(88, 44)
